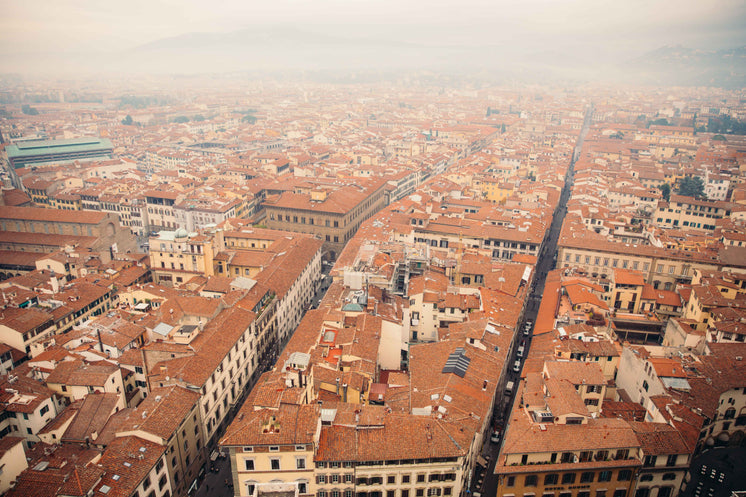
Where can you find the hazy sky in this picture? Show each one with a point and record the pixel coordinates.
(73, 37)
(83, 25)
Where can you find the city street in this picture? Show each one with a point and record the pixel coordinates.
(214, 482)
(487, 484)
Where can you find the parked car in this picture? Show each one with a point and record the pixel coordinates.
(517, 366)
(495, 437)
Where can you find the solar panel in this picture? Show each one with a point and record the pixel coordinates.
(457, 362)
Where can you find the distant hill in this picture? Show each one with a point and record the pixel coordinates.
(690, 67)
(275, 48)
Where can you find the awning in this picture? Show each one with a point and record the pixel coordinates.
(482, 461)
(724, 437)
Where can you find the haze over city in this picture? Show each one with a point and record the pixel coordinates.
(355, 248)
(577, 39)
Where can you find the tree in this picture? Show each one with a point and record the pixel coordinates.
(720, 138)
(127, 121)
(181, 119)
(665, 189)
(28, 110)
(248, 118)
(660, 122)
(692, 187)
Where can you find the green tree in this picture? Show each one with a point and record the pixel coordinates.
(720, 138)
(28, 110)
(248, 118)
(692, 187)
(665, 189)
(181, 119)
(127, 121)
(660, 122)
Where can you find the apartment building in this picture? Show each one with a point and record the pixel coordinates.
(26, 406)
(219, 359)
(662, 268)
(160, 207)
(22, 328)
(134, 466)
(691, 213)
(196, 212)
(73, 380)
(554, 446)
(711, 291)
(170, 417)
(274, 451)
(666, 458)
(177, 256)
(333, 213)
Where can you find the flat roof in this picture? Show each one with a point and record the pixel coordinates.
(44, 147)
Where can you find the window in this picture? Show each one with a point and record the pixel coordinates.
(586, 477)
(624, 475)
(302, 487)
(669, 476)
(300, 463)
(600, 493)
(391, 479)
(531, 481)
(275, 464)
(671, 461)
(405, 478)
(650, 460)
(647, 477)
(568, 478)
(551, 479)
(620, 493)
(419, 492)
(604, 476)
(510, 482)
(642, 492)
(665, 491)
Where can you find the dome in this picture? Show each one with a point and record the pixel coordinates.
(181, 233)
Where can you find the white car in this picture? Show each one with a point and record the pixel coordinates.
(495, 437)
(517, 366)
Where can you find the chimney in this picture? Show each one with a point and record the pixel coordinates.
(344, 392)
(337, 386)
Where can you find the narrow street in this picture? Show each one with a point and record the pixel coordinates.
(545, 263)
